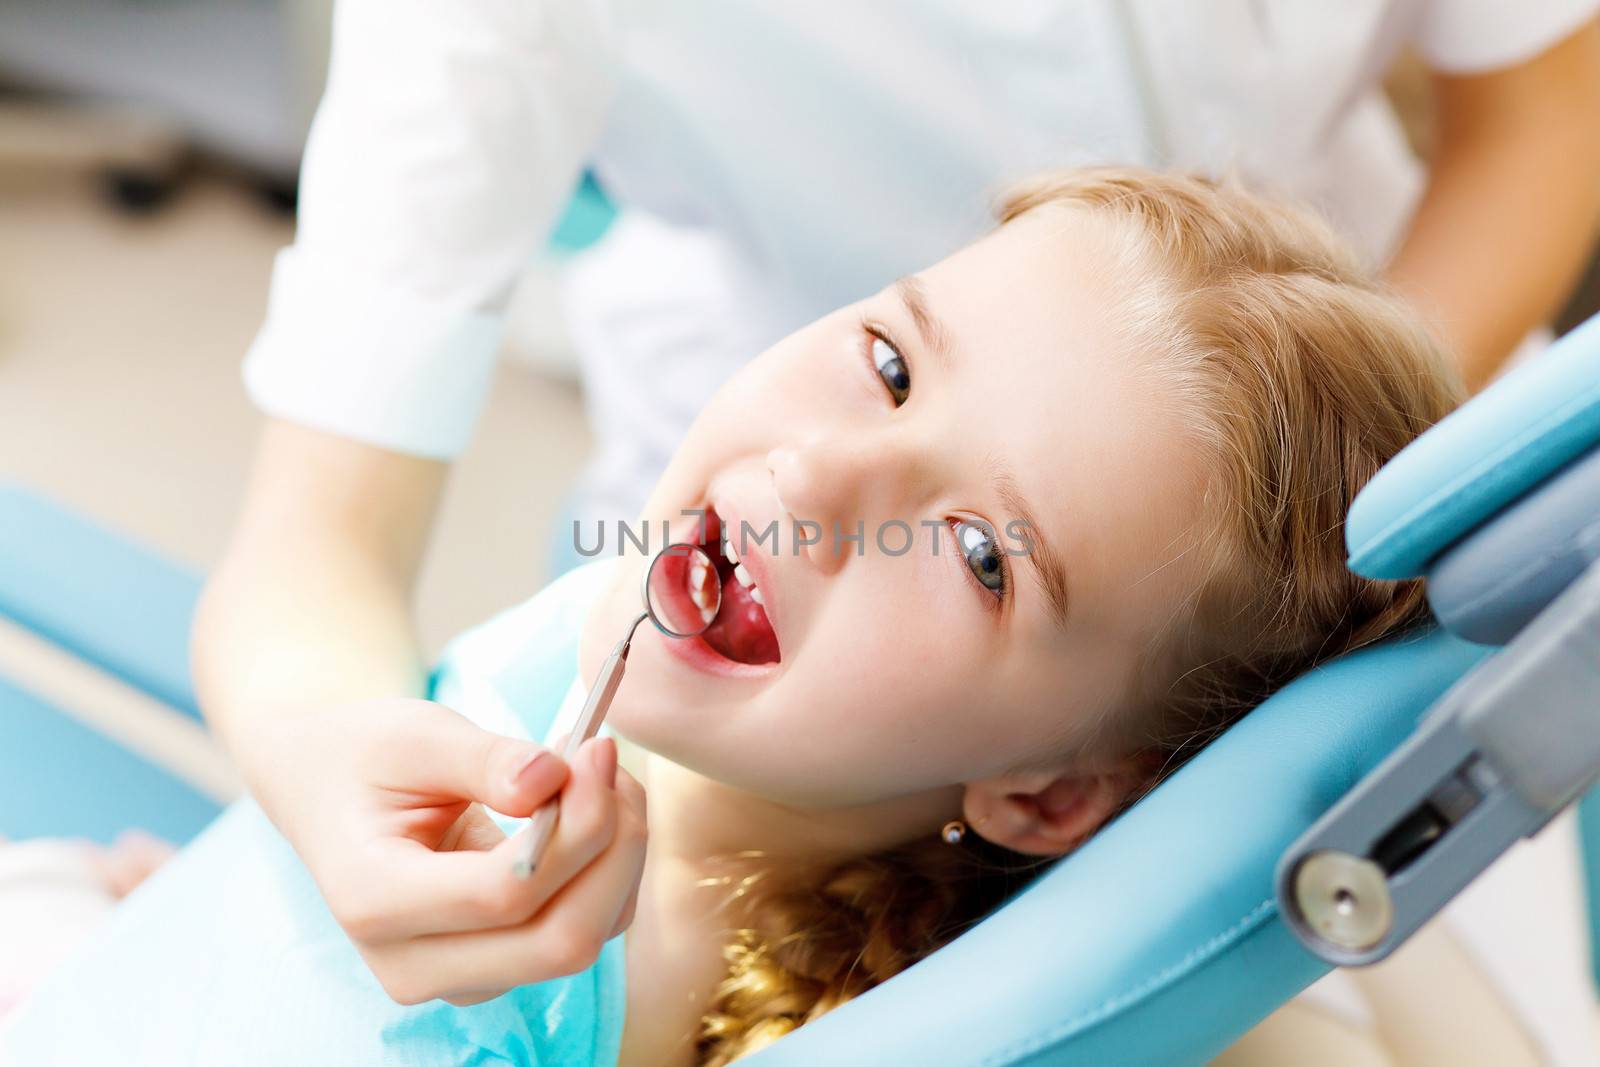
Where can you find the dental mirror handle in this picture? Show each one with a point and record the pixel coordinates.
(589, 720)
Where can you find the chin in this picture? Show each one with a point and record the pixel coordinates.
(655, 726)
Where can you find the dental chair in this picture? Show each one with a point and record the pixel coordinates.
(1322, 829)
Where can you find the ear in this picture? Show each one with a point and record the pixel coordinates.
(1049, 814)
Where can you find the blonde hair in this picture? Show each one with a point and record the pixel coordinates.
(1299, 376)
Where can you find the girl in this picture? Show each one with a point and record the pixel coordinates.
(1048, 515)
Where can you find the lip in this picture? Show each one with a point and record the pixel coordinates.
(701, 656)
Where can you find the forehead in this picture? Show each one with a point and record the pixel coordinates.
(1080, 415)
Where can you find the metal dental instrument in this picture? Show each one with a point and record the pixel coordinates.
(1498, 756)
(682, 595)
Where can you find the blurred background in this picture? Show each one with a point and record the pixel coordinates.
(148, 156)
(148, 153)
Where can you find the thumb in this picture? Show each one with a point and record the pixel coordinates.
(455, 758)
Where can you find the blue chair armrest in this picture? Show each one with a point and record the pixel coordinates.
(114, 603)
(60, 778)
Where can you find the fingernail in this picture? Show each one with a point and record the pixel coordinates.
(529, 769)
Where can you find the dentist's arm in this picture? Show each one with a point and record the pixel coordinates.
(447, 140)
(1509, 214)
(306, 664)
(311, 603)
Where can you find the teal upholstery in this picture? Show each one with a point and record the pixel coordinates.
(1479, 460)
(587, 217)
(1538, 422)
(60, 778)
(1159, 942)
(124, 609)
(96, 593)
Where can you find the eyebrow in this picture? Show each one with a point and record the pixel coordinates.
(1047, 568)
(935, 337)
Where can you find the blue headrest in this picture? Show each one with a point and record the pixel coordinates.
(1160, 940)
(1483, 457)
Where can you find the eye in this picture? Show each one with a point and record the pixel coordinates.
(981, 549)
(891, 366)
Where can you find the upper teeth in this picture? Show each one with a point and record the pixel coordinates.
(698, 569)
(741, 572)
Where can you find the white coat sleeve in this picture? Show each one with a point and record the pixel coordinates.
(450, 136)
(1474, 36)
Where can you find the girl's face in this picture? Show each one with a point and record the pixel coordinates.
(1026, 505)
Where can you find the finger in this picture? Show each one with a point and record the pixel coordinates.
(628, 809)
(585, 819)
(473, 831)
(631, 796)
(442, 754)
(428, 893)
(625, 918)
(564, 938)
(631, 792)
(132, 858)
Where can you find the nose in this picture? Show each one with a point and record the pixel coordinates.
(836, 485)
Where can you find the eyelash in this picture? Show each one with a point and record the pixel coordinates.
(992, 601)
(875, 331)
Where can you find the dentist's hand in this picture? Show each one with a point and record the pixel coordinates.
(385, 812)
(304, 620)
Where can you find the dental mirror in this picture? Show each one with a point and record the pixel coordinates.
(682, 595)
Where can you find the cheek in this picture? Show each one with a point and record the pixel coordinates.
(891, 668)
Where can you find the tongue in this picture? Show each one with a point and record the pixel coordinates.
(742, 632)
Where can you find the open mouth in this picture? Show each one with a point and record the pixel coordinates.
(741, 631)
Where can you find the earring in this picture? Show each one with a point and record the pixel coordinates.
(953, 832)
